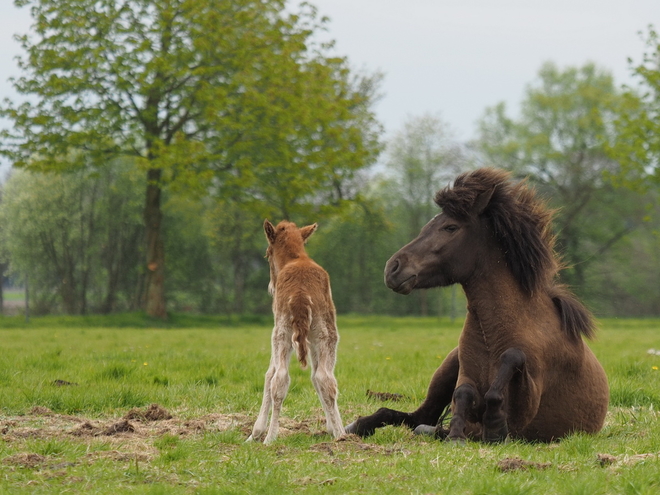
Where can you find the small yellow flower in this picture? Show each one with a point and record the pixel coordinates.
(146, 364)
(388, 358)
(654, 367)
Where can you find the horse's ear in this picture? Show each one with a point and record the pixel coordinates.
(482, 201)
(270, 231)
(306, 232)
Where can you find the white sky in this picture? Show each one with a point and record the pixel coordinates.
(453, 57)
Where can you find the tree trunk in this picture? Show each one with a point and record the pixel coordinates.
(154, 298)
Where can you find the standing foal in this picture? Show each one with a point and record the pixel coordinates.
(305, 320)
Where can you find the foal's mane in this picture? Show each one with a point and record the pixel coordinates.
(522, 225)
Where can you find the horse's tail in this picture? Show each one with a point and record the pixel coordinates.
(300, 306)
(576, 320)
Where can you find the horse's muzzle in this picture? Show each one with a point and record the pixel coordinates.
(398, 275)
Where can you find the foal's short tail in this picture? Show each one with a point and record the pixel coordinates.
(301, 321)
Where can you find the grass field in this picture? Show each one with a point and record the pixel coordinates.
(75, 416)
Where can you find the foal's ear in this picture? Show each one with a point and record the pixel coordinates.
(306, 232)
(482, 201)
(270, 231)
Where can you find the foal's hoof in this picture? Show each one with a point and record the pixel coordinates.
(425, 430)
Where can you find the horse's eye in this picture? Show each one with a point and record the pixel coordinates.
(450, 228)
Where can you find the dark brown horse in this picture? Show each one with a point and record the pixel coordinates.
(521, 368)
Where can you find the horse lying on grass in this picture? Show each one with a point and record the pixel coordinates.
(305, 319)
(521, 368)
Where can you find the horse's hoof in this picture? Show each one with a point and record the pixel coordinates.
(425, 430)
(351, 429)
(457, 442)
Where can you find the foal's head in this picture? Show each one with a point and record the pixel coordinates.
(286, 242)
(485, 218)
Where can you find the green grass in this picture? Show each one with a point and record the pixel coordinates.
(202, 369)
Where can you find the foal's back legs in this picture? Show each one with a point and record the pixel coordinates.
(276, 387)
(323, 353)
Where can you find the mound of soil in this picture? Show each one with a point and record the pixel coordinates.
(152, 413)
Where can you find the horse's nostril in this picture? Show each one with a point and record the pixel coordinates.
(395, 266)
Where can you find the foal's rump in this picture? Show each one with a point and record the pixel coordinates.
(303, 293)
(300, 309)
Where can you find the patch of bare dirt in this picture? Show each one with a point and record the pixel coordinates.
(624, 459)
(516, 464)
(355, 444)
(130, 438)
(137, 424)
(25, 460)
(120, 427)
(41, 411)
(152, 413)
(119, 456)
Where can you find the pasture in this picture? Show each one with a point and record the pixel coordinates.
(76, 414)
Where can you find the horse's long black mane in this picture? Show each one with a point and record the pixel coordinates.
(522, 224)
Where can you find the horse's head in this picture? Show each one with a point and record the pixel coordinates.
(446, 251)
(285, 242)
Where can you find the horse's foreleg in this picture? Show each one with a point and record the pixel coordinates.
(512, 363)
(438, 397)
(465, 404)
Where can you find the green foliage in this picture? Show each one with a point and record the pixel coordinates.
(560, 142)
(191, 88)
(235, 99)
(75, 235)
(637, 146)
(421, 158)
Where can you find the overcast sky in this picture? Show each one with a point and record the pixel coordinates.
(453, 57)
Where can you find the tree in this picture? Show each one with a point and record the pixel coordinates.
(76, 235)
(203, 93)
(560, 141)
(421, 158)
(637, 147)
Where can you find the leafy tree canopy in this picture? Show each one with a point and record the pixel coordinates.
(560, 141)
(637, 147)
(233, 97)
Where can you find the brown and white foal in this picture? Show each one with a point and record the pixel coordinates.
(305, 320)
